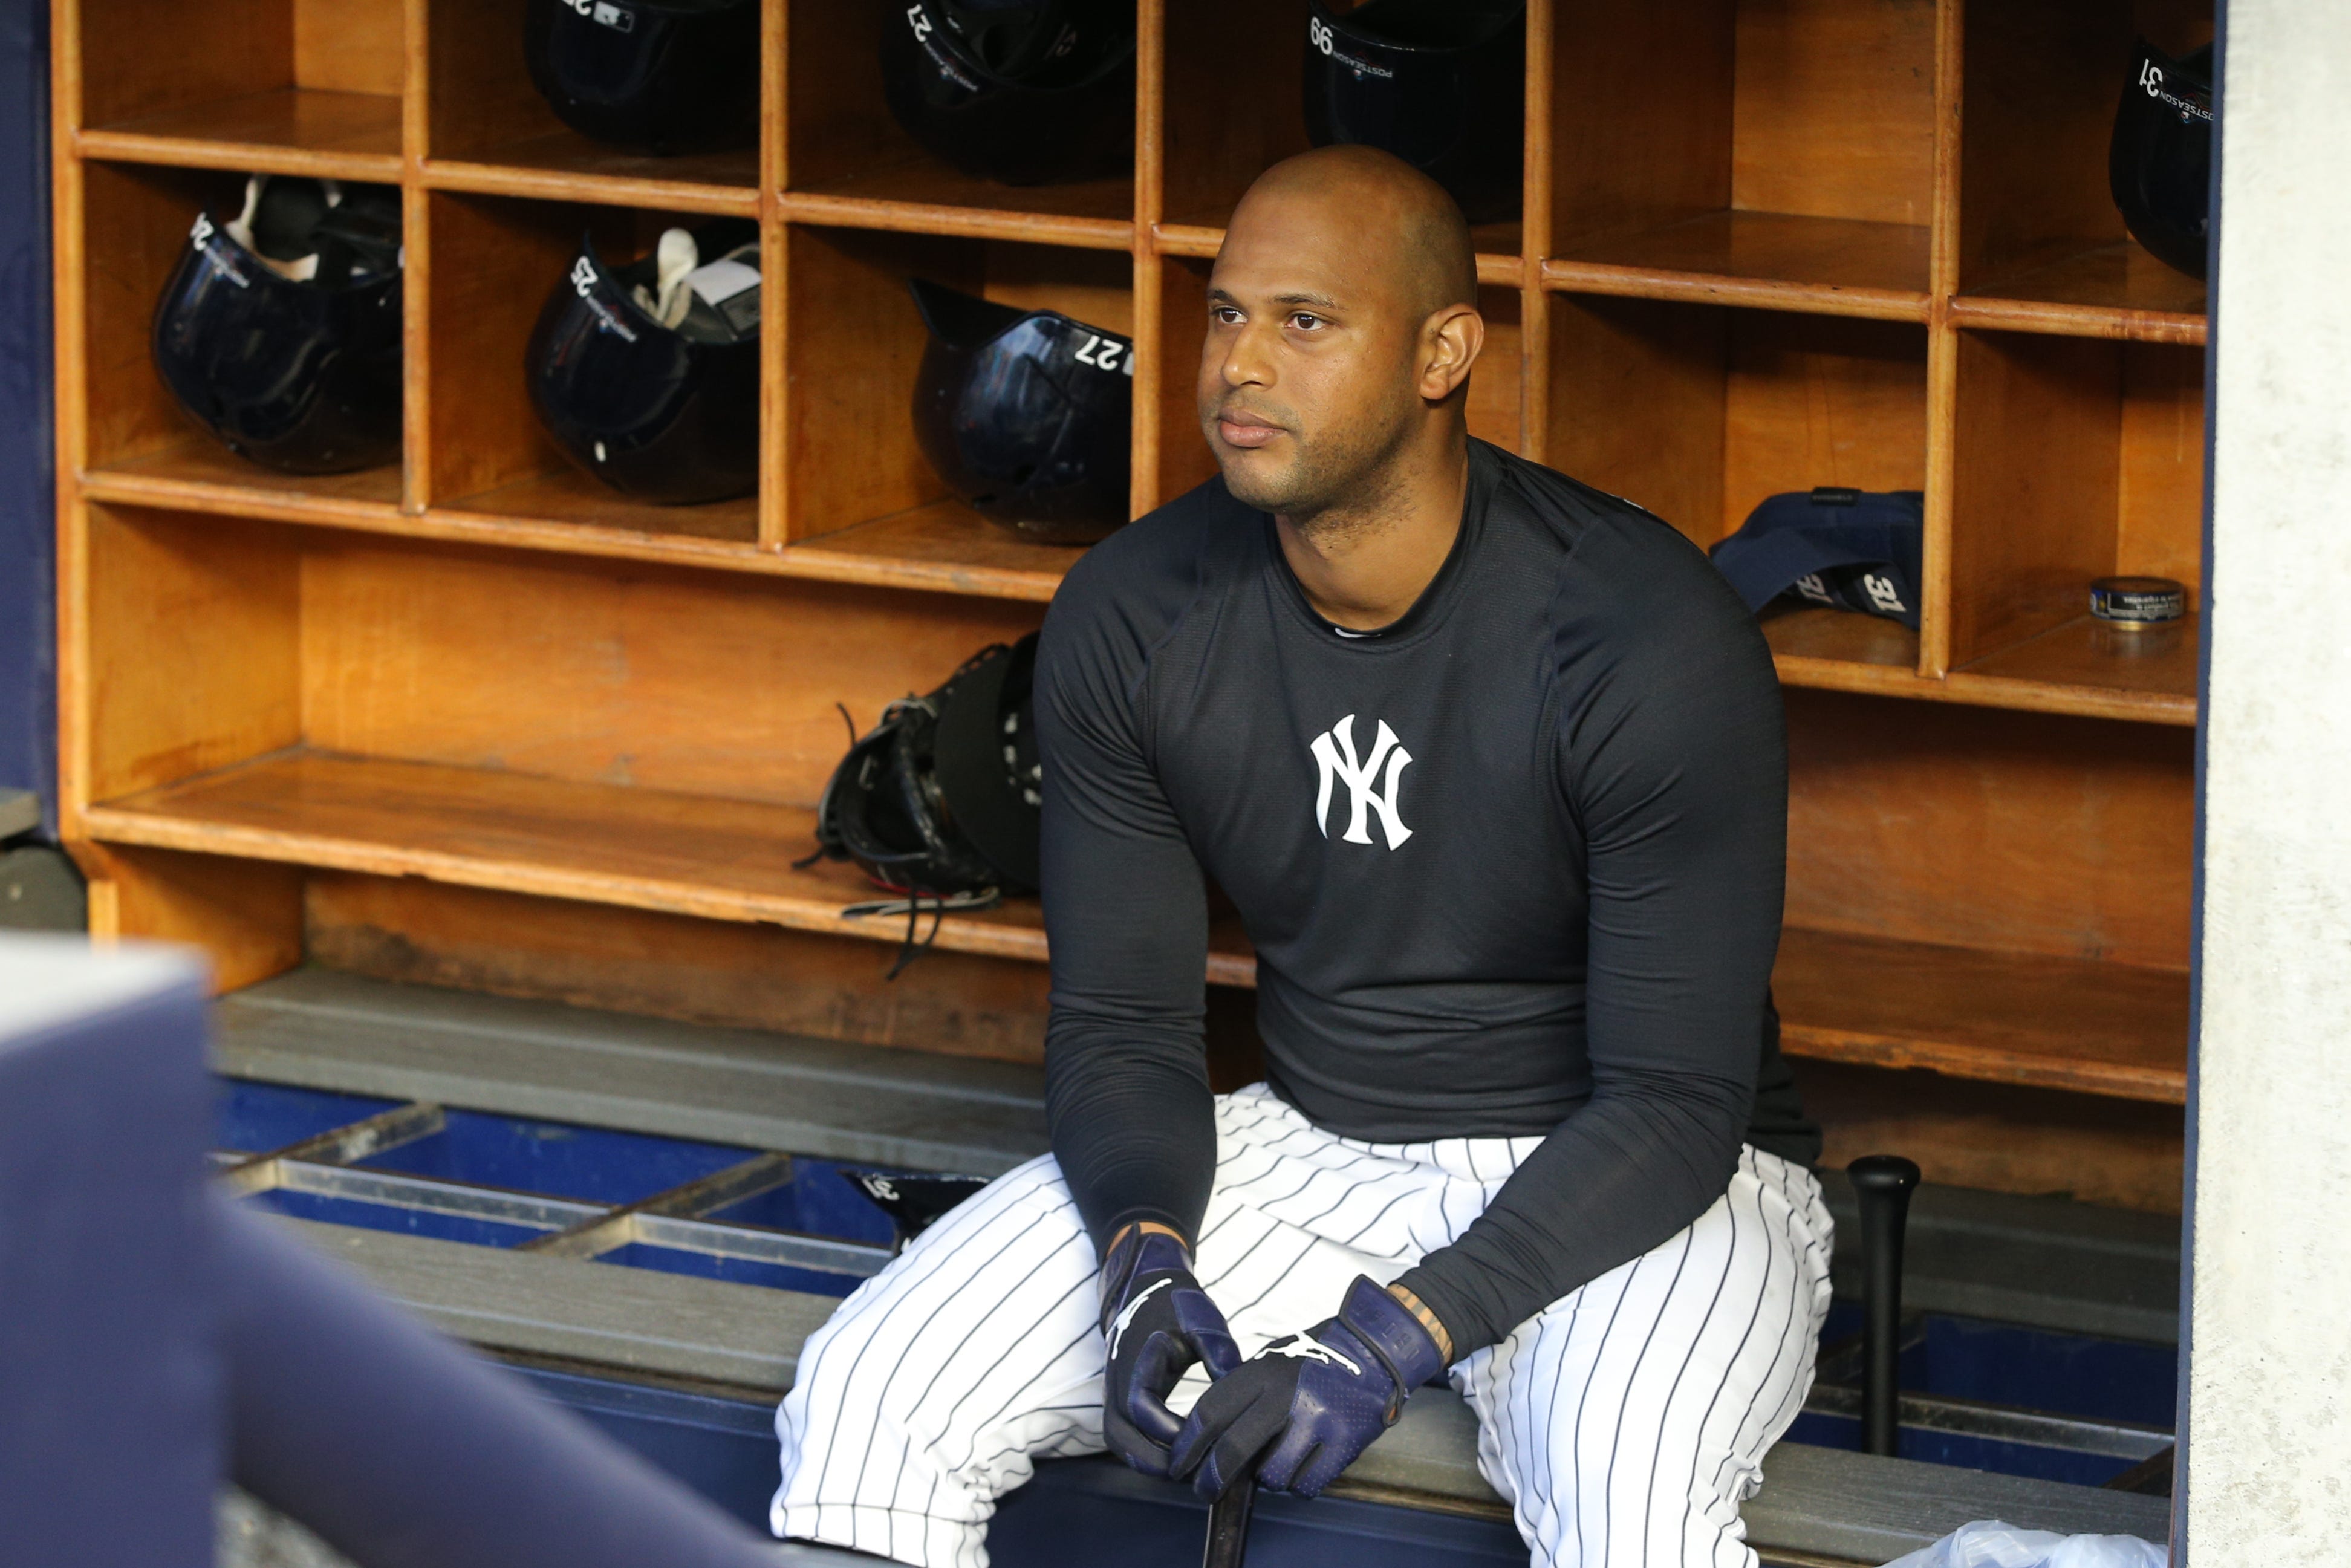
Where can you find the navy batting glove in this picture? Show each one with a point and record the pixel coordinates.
(1310, 1403)
(1158, 1323)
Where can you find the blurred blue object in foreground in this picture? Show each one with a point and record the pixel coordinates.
(150, 1328)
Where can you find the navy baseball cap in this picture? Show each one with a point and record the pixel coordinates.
(1848, 550)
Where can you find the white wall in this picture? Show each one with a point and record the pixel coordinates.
(2269, 1455)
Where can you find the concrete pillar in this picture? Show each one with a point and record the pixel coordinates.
(2269, 1418)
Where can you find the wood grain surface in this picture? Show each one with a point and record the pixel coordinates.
(1811, 401)
(494, 264)
(2008, 1018)
(564, 494)
(849, 377)
(563, 166)
(136, 228)
(285, 130)
(1228, 111)
(601, 844)
(194, 657)
(134, 58)
(1966, 827)
(245, 914)
(635, 847)
(1641, 112)
(2158, 661)
(1181, 448)
(199, 474)
(1665, 367)
(949, 546)
(2037, 484)
(1809, 633)
(349, 46)
(1828, 266)
(2159, 500)
(1833, 108)
(734, 973)
(668, 680)
(2088, 289)
(2001, 1136)
(475, 83)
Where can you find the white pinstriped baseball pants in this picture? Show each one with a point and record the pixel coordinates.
(1624, 1424)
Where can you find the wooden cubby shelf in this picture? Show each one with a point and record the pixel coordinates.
(942, 547)
(486, 130)
(566, 167)
(2003, 1018)
(337, 135)
(594, 843)
(2037, 243)
(472, 719)
(288, 87)
(2047, 1022)
(1830, 267)
(1495, 269)
(2119, 291)
(200, 476)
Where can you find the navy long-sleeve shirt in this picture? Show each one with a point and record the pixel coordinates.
(1512, 866)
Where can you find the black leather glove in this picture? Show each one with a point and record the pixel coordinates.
(1310, 1404)
(1157, 1323)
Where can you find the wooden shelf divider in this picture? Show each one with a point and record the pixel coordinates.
(613, 179)
(899, 216)
(2062, 320)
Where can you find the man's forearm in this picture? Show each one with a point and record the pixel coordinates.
(1619, 1176)
(1133, 1126)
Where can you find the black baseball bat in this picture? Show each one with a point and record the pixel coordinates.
(1228, 1523)
(1883, 1183)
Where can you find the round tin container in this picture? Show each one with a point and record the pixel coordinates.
(2136, 603)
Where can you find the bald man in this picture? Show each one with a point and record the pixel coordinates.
(1491, 765)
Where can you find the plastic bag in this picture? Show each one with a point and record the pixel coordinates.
(1988, 1543)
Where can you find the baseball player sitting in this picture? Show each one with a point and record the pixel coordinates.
(1492, 765)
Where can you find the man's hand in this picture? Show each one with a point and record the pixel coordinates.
(1157, 1322)
(1314, 1400)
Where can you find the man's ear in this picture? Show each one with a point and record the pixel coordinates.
(1449, 343)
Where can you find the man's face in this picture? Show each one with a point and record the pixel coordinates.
(1308, 374)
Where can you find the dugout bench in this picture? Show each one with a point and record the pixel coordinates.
(677, 1353)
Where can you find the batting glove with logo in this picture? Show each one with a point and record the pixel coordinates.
(1157, 1323)
(1310, 1403)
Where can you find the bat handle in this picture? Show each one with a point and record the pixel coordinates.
(1883, 1183)
(1228, 1523)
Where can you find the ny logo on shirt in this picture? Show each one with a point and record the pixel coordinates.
(1367, 791)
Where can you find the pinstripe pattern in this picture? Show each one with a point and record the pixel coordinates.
(1624, 1424)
